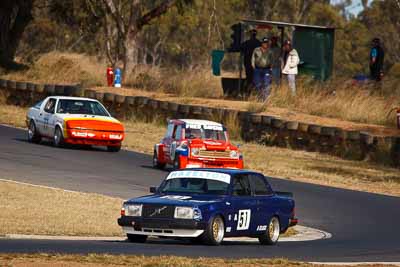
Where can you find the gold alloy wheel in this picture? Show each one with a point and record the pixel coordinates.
(218, 229)
(274, 229)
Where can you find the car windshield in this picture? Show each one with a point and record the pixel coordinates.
(194, 186)
(85, 107)
(205, 134)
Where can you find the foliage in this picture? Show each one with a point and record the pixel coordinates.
(185, 35)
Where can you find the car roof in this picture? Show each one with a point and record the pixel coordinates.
(200, 122)
(221, 170)
(73, 98)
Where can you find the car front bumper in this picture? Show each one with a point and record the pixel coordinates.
(161, 227)
(93, 137)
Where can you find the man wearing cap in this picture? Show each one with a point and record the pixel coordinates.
(261, 62)
(376, 60)
(247, 50)
(290, 61)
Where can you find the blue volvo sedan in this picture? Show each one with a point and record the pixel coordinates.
(207, 205)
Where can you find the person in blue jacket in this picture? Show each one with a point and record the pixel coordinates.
(376, 59)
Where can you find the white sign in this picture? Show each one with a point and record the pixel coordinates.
(244, 220)
(217, 176)
(206, 127)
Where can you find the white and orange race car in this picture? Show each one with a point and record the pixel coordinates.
(74, 120)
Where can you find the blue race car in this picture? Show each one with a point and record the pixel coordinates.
(209, 204)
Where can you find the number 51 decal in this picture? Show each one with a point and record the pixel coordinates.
(244, 220)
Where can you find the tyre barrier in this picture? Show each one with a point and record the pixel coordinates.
(59, 89)
(259, 128)
(49, 89)
(39, 88)
(90, 94)
(99, 96)
(109, 97)
(73, 90)
(11, 85)
(21, 86)
(30, 87)
(3, 84)
(119, 99)
(130, 100)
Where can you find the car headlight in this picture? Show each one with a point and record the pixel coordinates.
(183, 213)
(133, 210)
(234, 154)
(195, 151)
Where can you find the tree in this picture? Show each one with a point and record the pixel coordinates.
(129, 20)
(15, 15)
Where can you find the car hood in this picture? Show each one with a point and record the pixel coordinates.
(177, 200)
(91, 122)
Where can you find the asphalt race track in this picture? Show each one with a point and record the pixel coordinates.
(364, 226)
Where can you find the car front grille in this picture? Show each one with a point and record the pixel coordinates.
(158, 211)
(214, 154)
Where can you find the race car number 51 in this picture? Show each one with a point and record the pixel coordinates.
(244, 219)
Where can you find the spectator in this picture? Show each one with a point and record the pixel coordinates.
(261, 62)
(247, 50)
(276, 60)
(290, 61)
(377, 56)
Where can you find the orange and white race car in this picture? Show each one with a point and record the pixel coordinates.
(74, 120)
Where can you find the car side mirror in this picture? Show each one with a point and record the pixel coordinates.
(153, 189)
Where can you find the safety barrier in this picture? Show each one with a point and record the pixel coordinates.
(258, 128)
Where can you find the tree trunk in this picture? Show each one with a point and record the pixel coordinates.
(14, 17)
(130, 59)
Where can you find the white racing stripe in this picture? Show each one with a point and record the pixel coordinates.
(217, 176)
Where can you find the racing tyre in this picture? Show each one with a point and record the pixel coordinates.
(215, 231)
(58, 138)
(136, 238)
(156, 163)
(177, 163)
(114, 148)
(33, 135)
(271, 234)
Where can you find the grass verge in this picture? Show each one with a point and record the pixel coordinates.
(19, 260)
(27, 209)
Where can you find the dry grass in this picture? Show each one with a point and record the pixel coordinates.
(10, 114)
(45, 260)
(26, 209)
(64, 68)
(194, 82)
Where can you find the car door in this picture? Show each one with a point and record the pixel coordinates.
(48, 117)
(243, 206)
(167, 141)
(265, 204)
(174, 141)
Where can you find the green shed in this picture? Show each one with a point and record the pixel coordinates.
(315, 45)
